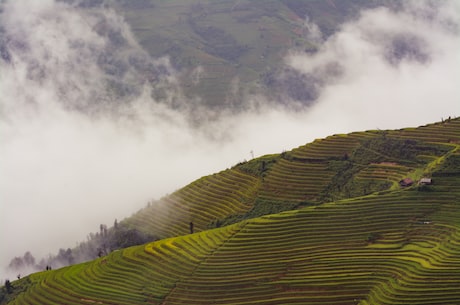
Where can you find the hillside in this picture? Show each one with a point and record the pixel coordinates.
(353, 234)
(337, 167)
(225, 50)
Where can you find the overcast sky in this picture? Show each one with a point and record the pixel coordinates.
(63, 172)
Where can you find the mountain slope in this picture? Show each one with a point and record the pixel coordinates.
(227, 49)
(396, 246)
(337, 167)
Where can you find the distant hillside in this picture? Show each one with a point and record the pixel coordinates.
(226, 49)
(363, 230)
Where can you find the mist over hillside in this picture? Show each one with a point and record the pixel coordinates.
(92, 126)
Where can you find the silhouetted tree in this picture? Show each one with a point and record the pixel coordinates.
(373, 237)
(8, 286)
(16, 263)
(191, 227)
(65, 257)
(29, 260)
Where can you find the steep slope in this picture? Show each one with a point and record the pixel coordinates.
(337, 167)
(397, 246)
(201, 202)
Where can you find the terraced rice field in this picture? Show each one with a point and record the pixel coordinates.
(317, 255)
(384, 171)
(304, 174)
(295, 181)
(446, 132)
(212, 197)
(333, 147)
(399, 246)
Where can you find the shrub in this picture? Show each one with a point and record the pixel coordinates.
(373, 237)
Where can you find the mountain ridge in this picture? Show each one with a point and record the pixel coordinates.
(322, 157)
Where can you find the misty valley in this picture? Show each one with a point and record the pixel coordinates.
(229, 152)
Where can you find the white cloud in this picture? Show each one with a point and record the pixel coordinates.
(396, 68)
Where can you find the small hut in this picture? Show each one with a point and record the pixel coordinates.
(425, 181)
(406, 182)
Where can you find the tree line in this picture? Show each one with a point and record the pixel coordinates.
(97, 244)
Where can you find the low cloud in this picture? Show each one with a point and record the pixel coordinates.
(92, 128)
(390, 69)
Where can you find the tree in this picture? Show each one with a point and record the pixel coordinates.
(103, 230)
(29, 260)
(22, 263)
(16, 263)
(373, 237)
(8, 286)
(65, 257)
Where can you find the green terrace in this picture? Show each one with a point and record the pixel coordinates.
(334, 168)
(202, 201)
(351, 233)
(397, 248)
